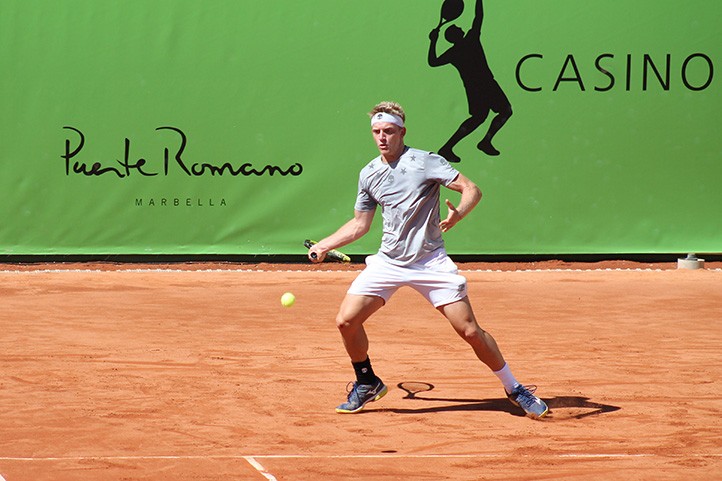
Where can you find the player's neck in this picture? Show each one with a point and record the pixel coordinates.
(390, 158)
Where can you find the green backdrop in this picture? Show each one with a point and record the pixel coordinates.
(614, 145)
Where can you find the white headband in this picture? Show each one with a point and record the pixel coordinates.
(387, 117)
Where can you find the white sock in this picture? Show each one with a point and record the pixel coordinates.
(507, 378)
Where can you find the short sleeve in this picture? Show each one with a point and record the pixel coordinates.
(440, 170)
(364, 201)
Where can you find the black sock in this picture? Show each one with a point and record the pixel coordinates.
(364, 372)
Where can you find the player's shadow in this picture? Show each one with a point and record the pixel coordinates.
(573, 404)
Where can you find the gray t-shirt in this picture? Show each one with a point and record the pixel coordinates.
(408, 192)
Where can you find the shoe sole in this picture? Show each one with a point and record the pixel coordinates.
(378, 396)
(538, 416)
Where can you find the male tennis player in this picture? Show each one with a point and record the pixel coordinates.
(406, 182)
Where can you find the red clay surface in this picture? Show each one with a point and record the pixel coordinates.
(126, 372)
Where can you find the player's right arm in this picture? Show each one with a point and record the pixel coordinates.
(346, 234)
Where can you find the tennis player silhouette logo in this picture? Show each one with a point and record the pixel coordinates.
(483, 93)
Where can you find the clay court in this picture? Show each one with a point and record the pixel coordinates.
(196, 372)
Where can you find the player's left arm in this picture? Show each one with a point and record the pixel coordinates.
(470, 196)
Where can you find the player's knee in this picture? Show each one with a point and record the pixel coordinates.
(344, 323)
(473, 334)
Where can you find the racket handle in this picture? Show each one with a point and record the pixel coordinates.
(332, 254)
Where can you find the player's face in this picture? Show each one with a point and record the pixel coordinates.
(389, 139)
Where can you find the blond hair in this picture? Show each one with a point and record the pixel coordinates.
(389, 108)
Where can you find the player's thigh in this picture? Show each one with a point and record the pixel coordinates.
(440, 286)
(355, 309)
(460, 316)
(378, 279)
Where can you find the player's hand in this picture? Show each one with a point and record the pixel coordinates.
(451, 219)
(434, 34)
(316, 254)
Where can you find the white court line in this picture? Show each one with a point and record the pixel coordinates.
(254, 457)
(482, 455)
(259, 467)
(291, 271)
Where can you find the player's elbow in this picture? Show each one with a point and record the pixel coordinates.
(473, 192)
(361, 224)
(361, 230)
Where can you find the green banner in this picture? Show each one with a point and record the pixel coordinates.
(239, 127)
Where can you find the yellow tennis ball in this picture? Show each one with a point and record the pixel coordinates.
(288, 299)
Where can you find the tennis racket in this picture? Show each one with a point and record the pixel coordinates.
(450, 10)
(333, 254)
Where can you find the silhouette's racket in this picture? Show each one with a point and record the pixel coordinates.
(450, 10)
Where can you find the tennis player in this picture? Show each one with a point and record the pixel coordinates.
(406, 182)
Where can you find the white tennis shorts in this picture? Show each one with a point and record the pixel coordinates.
(435, 277)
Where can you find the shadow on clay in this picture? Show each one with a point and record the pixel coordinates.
(560, 407)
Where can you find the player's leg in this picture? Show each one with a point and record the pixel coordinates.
(461, 316)
(367, 294)
(354, 311)
(371, 289)
(440, 283)
(462, 319)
